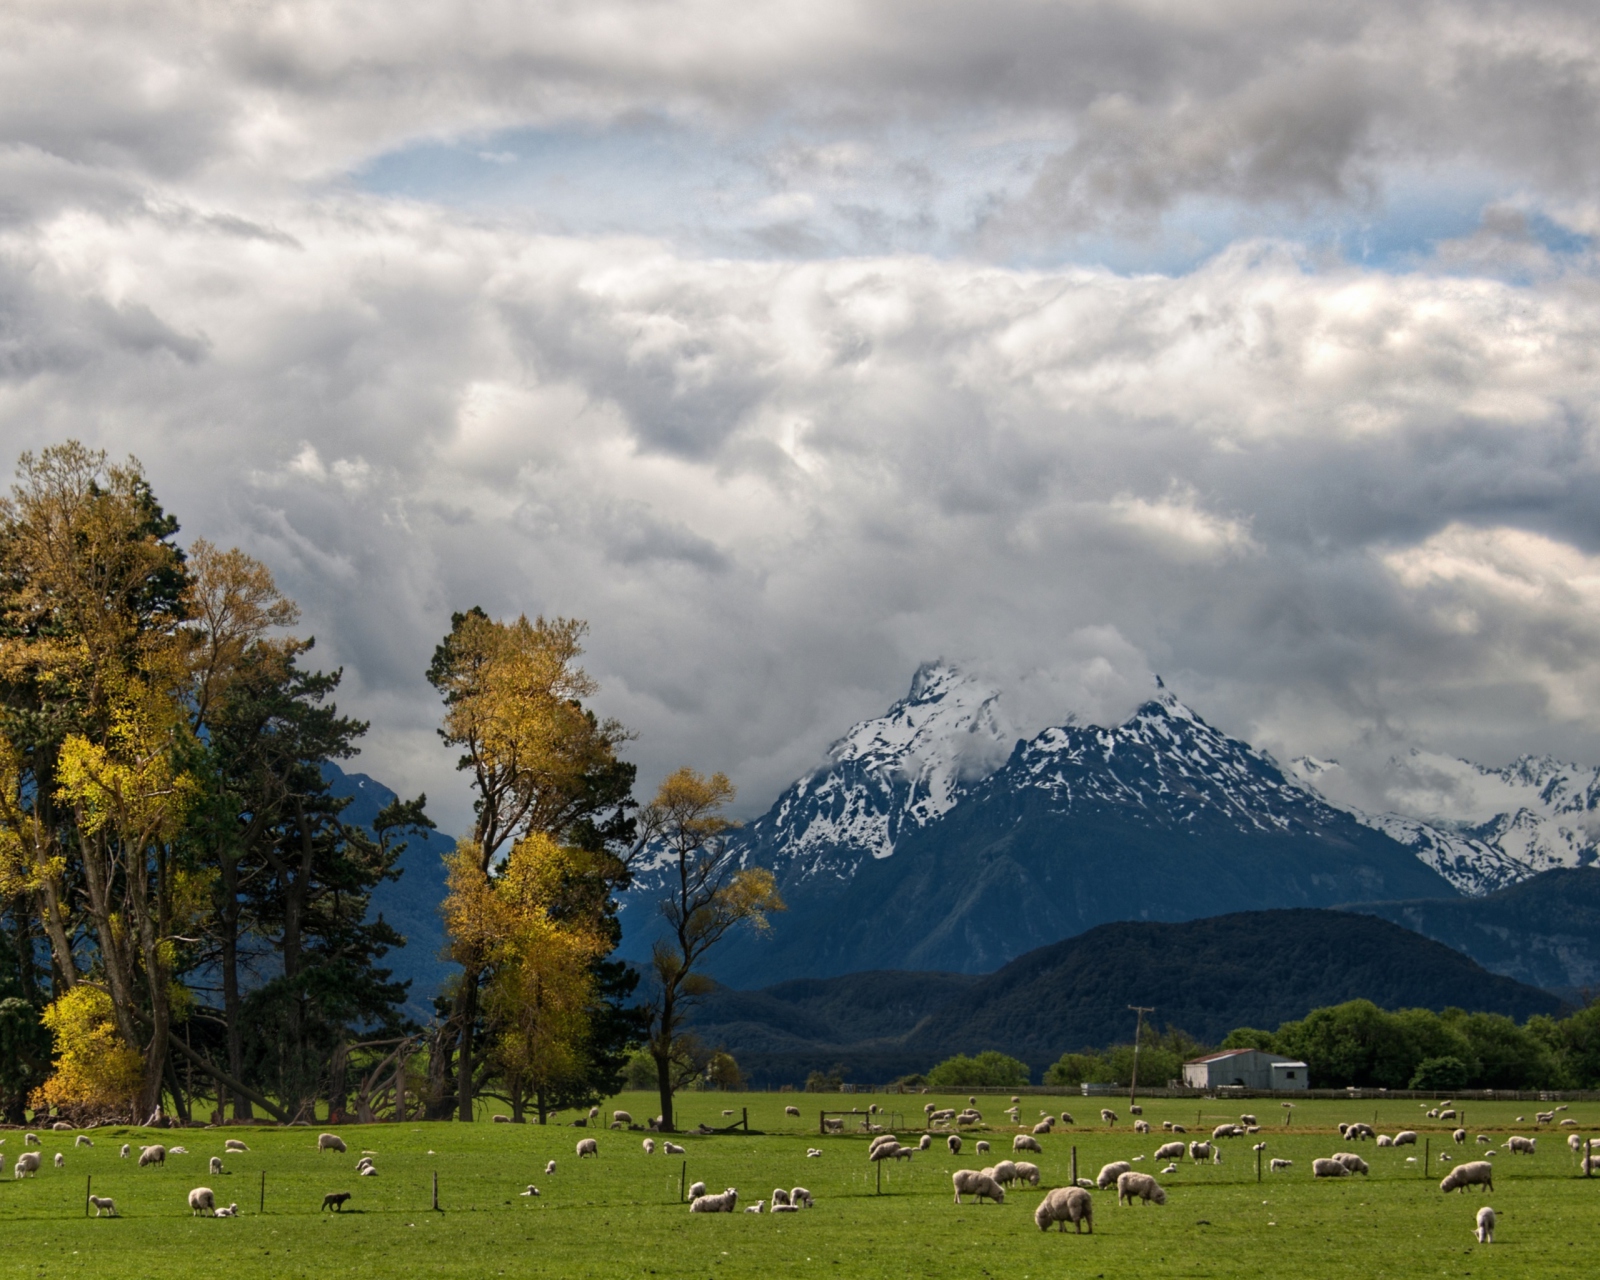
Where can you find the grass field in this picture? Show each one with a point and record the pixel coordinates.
(619, 1215)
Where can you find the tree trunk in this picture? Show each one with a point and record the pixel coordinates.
(228, 921)
(664, 1084)
(469, 1016)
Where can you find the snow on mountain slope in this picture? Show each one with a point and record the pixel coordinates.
(1479, 827)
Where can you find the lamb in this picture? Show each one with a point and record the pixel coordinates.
(1485, 1231)
(756, 1207)
(61, 1161)
(1521, 1146)
(1142, 1185)
(588, 1147)
(1086, 1183)
(649, 1146)
(696, 1190)
(1570, 1124)
(61, 1126)
(1475, 1173)
(1406, 1138)
(152, 1155)
(30, 1140)
(27, 1163)
(233, 1144)
(813, 1153)
(800, 1196)
(1247, 1118)
(216, 1165)
(1026, 1172)
(549, 1168)
(1170, 1151)
(779, 1196)
(1045, 1126)
(1005, 1173)
(982, 1146)
(82, 1141)
(1460, 1135)
(1329, 1169)
(202, 1200)
(1545, 1117)
(335, 1200)
(1484, 1139)
(667, 1149)
(1178, 1128)
(1026, 1142)
(1109, 1116)
(792, 1111)
(1111, 1172)
(177, 1151)
(1588, 1165)
(954, 1143)
(785, 1208)
(125, 1149)
(726, 1202)
(1064, 1205)
(1277, 1165)
(1351, 1161)
(531, 1191)
(105, 1205)
(501, 1119)
(371, 1171)
(1066, 1117)
(231, 1211)
(976, 1183)
(330, 1142)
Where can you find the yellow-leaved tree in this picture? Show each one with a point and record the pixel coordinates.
(98, 1075)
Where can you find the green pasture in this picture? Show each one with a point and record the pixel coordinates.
(619, 1215)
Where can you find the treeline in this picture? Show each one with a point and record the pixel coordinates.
(1355, 1043)
(183, 909)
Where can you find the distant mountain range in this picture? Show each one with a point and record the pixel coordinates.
(1207, 977)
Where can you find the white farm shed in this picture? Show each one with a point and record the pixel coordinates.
(1250, 1068)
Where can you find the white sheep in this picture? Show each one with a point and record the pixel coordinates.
(649, 1146)
(1447, 1113)
(61, 1161)
(230, 1211)
(1141, 1185)
(1569, 1124)
(785, 1208)
(779, 1196)
(125, 1149)
(594, 1113)
(1064, 1205)
(202, 1200)
(216, 1165)
(1026, 1172)
(27, 1165)
(371, 1171)
(30, 1140)
(1485, 1231)
(953, 1141)
(152, 1155)
(1044, 1126)
(1520, 1146)
(830, 1125)
(1178, 1128)
(696, 1190)
(1066, 1117)
(1277, 1165)
(1110, 1173)
(1483, 1139)
(974, 1182)
(1170, 1151)
(1247, 1118)
(981, 1147)
(1026, 1142)
(1086, 1183)
(1329, 1169)
(105, 1205)
(882, 1140)
(82, 1141)
(800, 1196)
(330, 1142)
(756, 1207)
(531, 1190)
(177, 1151)
(792, 1111)
(1199, 1151)
(1384, 1140)
(671, 1148)
(1475, 1173)
(925, 1142)
(549, 1168)
(233, 1144)
(1141, 1126)
(588, 1147)
(1224, 1131)
(1108, 1115)
(726, 1202)
(1405, 1138)
(1351, 1161)
(61, 1126)
(1460, 1135)
(1005, 1173)
(813, 1153)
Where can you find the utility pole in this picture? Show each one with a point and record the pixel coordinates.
(1138, 1032)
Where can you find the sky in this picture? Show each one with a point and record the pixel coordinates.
(790, 346)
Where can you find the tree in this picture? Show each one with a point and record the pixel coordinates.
(540, 762)
(1447, 1074)
(990, 1069)
(709, 894)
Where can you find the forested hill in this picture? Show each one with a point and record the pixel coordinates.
(1257, 968)
(1545, 931)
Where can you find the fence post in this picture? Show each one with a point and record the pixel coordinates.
(1427, 1155)
(261, 1207)
(880, 1176)
(1258, 1164)
(436, 1189)
(88, 1184)
(822, 1123)
(683, 1180)
(746, 1111)
(1074, 1166)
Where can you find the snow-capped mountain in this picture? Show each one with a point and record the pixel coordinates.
(1479, 827)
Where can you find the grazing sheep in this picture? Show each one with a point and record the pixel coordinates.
(799, 1196)
(1384, 1140)
(1406, 1138)
(1570, 1124)
(1224, 1131)
(1351, 1161)
(1141, 1126)
(791, 1111)
(1544, 1117)
(1005, 1173)
(1521, 1146)
(1329, 1169)
(216, 1165)
(886, 1151)
(1108, 1115)
(726, 1202)
(928, 1108)
(549, 1168)
(27, 1165)
(335, 1200)
(976, 1183)
(924, 1142)
(883, 1139)
(501, 1119)
(696, 1190)
(594, 1113)
(588, 1147)
(1141, 1185)
(330, 1142)
(1276, 1165)
(202, 1200)
(1178, 1128)
(1475, 1173)
(61, 1161)
(954, 1143)
(1045, 1126)
(152, 1155)
(779, 1196)
(813, 1153)
(233, 1144)
(1247, 1118)
(1170, 1151)
(1447, 1113)
(1356, 1132)
(981, 1148)
(1485, 1231)
(82, 1141)
(1064, 1205)
(1588, 1165)
(1086, 1183)
(1111, 1172)
(622, 1117)
(670, 1148)
(30, 1140)
(1483, 1139)
(649, 1146)
(125, 1149)
(1026, 1142)
(61, 1126)
(1066, 1118)
(105, 1205)
(1460, 1135)
(1026, 1172)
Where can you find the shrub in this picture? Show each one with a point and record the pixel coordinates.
(990, 1069)
(1441, 1074)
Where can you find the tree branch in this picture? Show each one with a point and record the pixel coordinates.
(221, 1077)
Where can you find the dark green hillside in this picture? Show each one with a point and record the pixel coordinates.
(1544, 931)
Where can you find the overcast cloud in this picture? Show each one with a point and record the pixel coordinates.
(792, 345)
